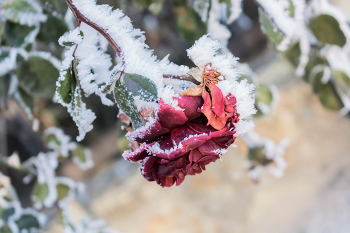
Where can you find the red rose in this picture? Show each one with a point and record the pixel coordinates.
(180, 142)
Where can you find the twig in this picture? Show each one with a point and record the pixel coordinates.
(183, 77)
(81, 18)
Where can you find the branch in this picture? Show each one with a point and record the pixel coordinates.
(81, 18)
(183, 77)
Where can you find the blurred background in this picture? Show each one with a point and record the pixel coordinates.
(312, 196)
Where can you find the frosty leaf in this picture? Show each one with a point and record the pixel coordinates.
(67, 87)
(54, 6)
(342, 80)
(137, 83)
(52, 139)
(126, 103)
(256, 154)
(189, 24)
(263, 94)
(27, 222)
(326, 29)
(40, 192)
(82, 117)
(326, 93)
(15, 34)
(23, 12)
(269, 29)
(202, 7)
(38, 76)
(62, 191)
(26, 101)
(4, 85)
(82, 157)
(293, 54)
(247, 77)
(291, 8)
(228, 7)
(52, 30)
(14, 8)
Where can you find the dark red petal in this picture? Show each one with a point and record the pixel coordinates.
(148, 135)
(148, 165)
(169, 117)
(210, 148)
(167, 181)
(194, 155)
(180, 176)
(190, 105)
(138, 154)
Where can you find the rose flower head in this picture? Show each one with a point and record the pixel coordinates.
(193, 127)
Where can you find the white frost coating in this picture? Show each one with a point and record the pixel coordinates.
(243, 126)
(30, 18)
(243, 91)
(280, 15)
(23, 105)
(72, 36)
(81, 116)
(88, 163)
(201, 7)
(338, 58)
(346, 101)
(236, 10)
(138, 59)
(272, 151)
(45, 164)
(94, 64)
(206, 50)
(170, 68)
(9, 63)
(65, 144)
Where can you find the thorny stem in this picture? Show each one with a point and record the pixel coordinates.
(272, 19)
(81, 18)
(183, 77)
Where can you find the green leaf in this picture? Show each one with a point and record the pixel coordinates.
(40, 192)
(38, 76)
(179, 3)
(126, 103)
(5, 229)
(342, 80)
(62, 191)
(326, 93)
(244, 76)
(189, 24)
(54, 6)
(27, 221)
(293, 54)
(256, 154)
(263, 94)
(27, 100)
(327, 30)
(269, 29)
(14, 8)
(66, 90)
(14, 34)
(4, 85)
(51, 138)
(142, 86)
(6, 213)
(291, 8)
(52, 30)
(79, 154)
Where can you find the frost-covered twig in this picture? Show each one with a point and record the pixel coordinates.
(81, 18)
